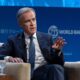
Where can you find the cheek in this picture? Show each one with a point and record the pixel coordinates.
(28, 29)
(25, 28)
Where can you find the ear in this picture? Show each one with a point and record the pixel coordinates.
(20, 23)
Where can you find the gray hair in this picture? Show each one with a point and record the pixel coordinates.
(23, 10)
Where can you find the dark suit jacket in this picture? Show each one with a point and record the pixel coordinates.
(15, 47)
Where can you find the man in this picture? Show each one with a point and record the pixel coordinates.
(47, 58)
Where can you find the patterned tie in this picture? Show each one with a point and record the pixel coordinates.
(31, 53)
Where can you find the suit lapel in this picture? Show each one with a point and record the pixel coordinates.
(44, 45)
(22, 46)
(40, 40)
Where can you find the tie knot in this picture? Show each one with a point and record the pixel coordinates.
(31, 37)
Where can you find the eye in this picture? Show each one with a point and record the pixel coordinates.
(27, 21)
(33, 19)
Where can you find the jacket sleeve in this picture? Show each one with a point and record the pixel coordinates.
(55, 58)
(6, 49)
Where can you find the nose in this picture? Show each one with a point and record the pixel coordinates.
(32, 22)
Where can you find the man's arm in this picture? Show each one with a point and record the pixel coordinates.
(6, 51)
(57, 46)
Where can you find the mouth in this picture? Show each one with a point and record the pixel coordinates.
(33, 28)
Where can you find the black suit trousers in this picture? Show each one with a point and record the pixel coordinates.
(49, 72)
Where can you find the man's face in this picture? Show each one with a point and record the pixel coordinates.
(28, 22)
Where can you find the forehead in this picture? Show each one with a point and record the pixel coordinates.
(27, 14)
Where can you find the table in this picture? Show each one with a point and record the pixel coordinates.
(6, 77)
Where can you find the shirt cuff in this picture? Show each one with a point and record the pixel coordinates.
(6, 58)
(59, 53)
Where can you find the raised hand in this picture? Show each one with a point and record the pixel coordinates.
(59, 43)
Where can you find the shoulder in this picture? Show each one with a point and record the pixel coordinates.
(43, 34)
(16, 36)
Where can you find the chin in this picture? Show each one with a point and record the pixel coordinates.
(34, 31)
(31, 33)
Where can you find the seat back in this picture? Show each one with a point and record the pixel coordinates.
(19, 71)
(1, 44)
(72, 70)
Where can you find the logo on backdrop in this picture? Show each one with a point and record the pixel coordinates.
(54, 31)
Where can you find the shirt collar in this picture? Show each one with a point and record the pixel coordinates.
(27, 36)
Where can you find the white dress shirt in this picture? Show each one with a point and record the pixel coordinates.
(39, 59)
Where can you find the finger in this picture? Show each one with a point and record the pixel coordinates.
(19, 60)
(56, 47)
(11, 59)
(58, 40)
(59, 44)
(62, 42)
(15, 60)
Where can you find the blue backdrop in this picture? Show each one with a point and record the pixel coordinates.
(63, 22)
(45, 3)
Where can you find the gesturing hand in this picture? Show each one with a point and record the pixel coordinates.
(59, 43)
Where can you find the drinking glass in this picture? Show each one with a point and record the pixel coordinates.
(2, 66)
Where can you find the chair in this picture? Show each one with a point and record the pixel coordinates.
(72, 70)
(19, 71)
(1, 44)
